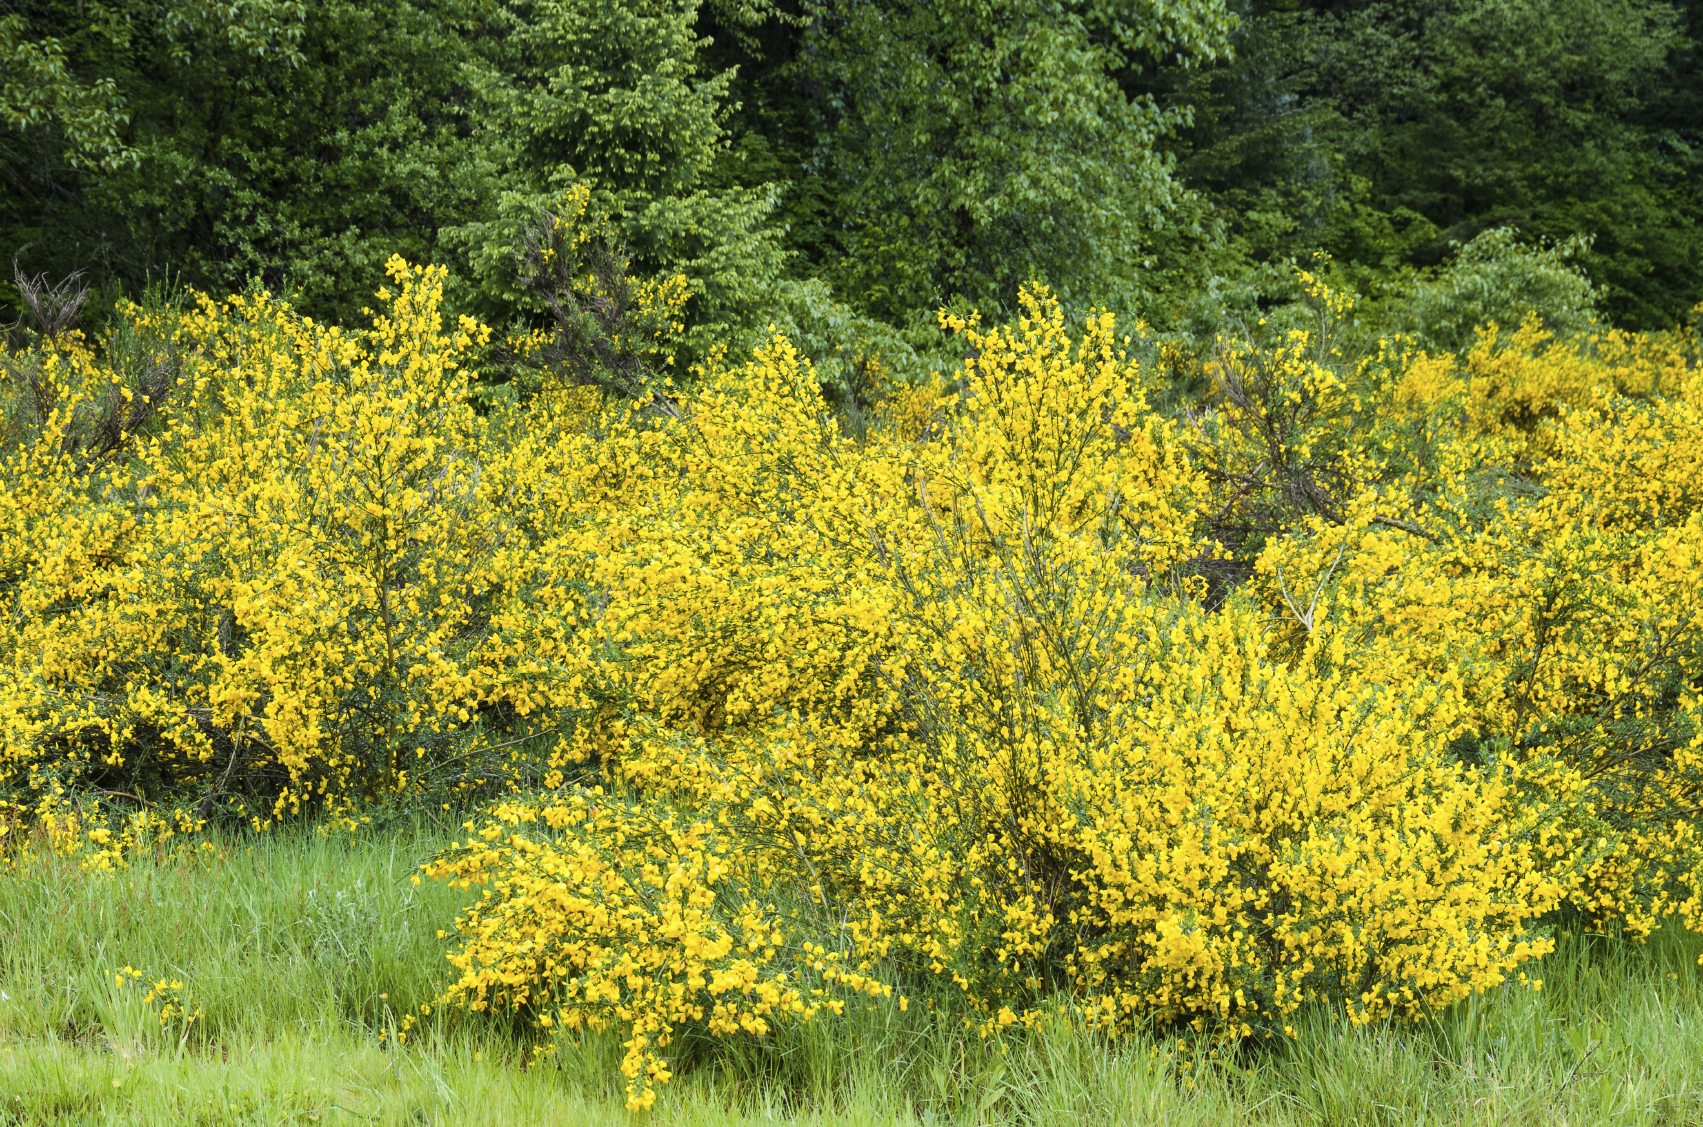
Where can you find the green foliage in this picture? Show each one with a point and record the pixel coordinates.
(607, 328)
(38, 93)
(1389, 133)
(224, 144)
(837, 168)
(618, 98)
(1497, 279)
(991, 146)
(246, 140)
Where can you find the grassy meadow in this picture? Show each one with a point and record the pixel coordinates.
(301, 950)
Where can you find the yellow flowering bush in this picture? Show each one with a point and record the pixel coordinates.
(165, 994)
(1545, 559)
(958, 690)
(1028, 698)
(266, 599)
(630, 918)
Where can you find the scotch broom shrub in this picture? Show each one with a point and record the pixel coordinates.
(265, 600)
(1543, 557)
(959, 693)
(1022, 698)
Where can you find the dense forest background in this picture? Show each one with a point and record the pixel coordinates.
(842, 169)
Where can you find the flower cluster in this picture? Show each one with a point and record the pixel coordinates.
(619, 916)
(164, 993)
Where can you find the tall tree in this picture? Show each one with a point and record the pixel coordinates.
(620, 98)
(960, 148)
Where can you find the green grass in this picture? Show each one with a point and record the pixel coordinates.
(299, 949)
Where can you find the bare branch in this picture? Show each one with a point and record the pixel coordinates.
(53, 306)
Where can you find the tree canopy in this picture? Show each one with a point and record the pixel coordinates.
(876, 156)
